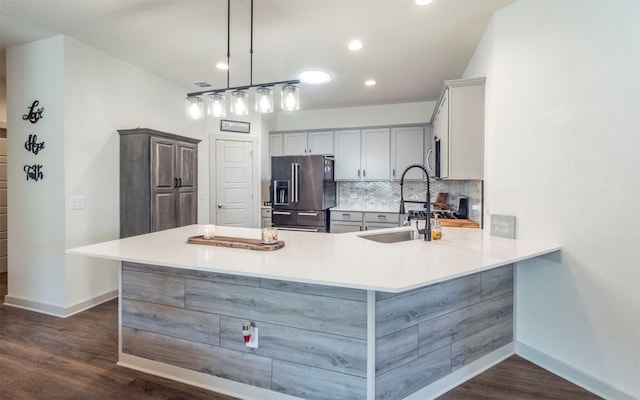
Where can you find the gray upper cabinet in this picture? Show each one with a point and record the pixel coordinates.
(158, 181)
(407, 148)
(304, 143)
(458, 126)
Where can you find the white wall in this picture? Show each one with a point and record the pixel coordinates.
(36, 209)
(563, 142)
(93, 96)
(388, 114)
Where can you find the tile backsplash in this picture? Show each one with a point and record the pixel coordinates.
(385, 195)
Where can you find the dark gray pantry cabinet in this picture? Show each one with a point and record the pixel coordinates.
(158, 181)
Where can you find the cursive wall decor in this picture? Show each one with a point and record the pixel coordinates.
(34, 172)
(32, 144)
(34, 114)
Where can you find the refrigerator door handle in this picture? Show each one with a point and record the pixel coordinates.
(296, 179)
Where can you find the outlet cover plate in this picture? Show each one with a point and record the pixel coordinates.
(503, 225)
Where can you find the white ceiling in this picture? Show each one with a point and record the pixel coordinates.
(409, 50)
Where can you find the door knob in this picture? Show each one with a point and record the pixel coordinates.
(220, 205)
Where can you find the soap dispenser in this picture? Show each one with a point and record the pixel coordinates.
(436, 229)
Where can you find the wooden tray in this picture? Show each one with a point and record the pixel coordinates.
(236, 242)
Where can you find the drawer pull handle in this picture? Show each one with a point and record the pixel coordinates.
(282, 213)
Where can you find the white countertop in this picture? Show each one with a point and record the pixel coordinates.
(343, 260)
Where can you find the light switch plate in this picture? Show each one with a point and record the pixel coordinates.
(76, 202)
(503, 225)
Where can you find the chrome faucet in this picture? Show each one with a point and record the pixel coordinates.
(427, 224)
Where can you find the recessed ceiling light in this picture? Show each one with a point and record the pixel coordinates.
(423, 2)
(370, 82)
(355, 45)
(314, 77)
(222, 65)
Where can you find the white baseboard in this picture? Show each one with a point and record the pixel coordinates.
(247, 392)
(57, 311)
(201, 380)
(572, 374)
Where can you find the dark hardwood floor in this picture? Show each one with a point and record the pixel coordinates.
(43, 357)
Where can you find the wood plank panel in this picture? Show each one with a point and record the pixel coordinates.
(401, 311)
(316, 384)
(396, 349)
(315, 349)
(484, 342)
(441, 331)
(320, 290)
(204, 275)
(497, 281)
(212, 360)
(318, 313)
(153, 288)
(401, 382)
(172, 321)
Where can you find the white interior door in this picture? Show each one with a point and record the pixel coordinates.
(234, 183)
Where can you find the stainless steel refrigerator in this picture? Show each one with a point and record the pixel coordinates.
(303, 189)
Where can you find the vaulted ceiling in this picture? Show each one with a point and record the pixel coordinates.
(408, 49)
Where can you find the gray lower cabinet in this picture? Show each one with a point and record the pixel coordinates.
(158, 181)
(354, 221)
(345, 221)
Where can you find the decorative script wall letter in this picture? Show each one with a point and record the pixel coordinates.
(35, 114)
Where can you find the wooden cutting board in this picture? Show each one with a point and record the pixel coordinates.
(236, 242)
(458, 223)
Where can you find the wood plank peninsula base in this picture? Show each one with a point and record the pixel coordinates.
(315, 341)
(338, 316)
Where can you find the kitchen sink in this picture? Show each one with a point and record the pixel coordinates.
(391, 237)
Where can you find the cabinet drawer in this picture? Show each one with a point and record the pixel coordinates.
(311, 218)
(346, 216)
(265, 212)
(393, 218)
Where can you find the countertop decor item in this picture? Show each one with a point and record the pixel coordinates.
(237, 242)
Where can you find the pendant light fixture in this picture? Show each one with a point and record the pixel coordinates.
(239, 97)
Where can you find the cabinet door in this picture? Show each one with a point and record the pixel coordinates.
(441, 132)
(187, 175)
(407, 148)
(347, 155)
(466, 132)
(320, 143)
(163, 184)
(295, 144)
(371, 226)
(375, 154)
(345, 226)
(275, 144)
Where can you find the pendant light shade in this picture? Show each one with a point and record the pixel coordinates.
(290, 99)
(195, 107)
(264, 100)
(239, 102)
(216, 105)
(237, 97)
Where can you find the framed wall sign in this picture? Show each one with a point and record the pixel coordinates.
(234, 126)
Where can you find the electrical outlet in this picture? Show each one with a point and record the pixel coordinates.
(253, 343)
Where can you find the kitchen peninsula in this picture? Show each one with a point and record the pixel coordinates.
(339, 316)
